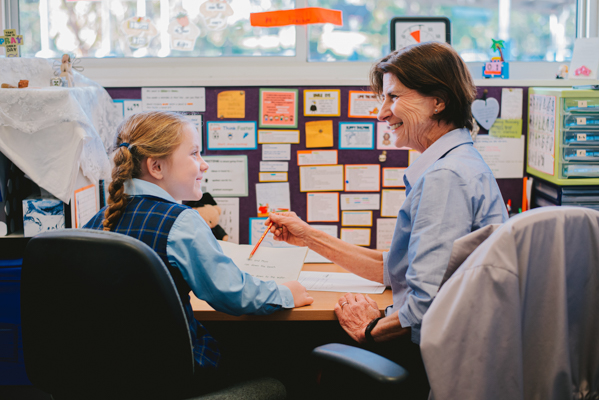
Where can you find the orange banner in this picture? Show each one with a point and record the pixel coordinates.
(298, 16)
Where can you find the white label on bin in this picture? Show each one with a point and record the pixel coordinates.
(581, 137)
(582, 104)
(581, 121)
(581, 153)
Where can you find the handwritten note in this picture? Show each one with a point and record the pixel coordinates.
(510, 128)
(268, 263)
(231, 104)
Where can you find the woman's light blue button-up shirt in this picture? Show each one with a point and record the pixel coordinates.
(450, 192)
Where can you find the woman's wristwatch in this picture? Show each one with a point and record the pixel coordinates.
(369, 328)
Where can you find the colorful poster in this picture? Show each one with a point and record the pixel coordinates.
(385, 140)
(363, 104)
(322, 103)
(235, 135)
(356, 136)
(278, 108)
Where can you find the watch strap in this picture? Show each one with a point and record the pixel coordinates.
(369, 328)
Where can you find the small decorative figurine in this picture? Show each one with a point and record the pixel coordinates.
(66, 70)
(562, 72)
(210, 212)
(497, 67)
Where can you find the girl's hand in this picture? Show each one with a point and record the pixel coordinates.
(288, 227)
(300, 294)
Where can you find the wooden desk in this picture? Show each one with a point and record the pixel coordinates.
(320, 310)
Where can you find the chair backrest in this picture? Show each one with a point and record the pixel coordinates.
(101, 318)
(519, 318)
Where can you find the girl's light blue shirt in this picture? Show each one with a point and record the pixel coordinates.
(450, 192)
(211, 275)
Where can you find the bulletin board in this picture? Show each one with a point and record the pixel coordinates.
(510, 188)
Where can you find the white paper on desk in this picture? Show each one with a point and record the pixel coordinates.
(511, 103)
(391, 202)
(229, 218)
(315, 258)
(585, 55)
(339, 282)
(268, 263)
(360, 201)
(505, 156)
(321, 178)
(275, 152)
(174, 99)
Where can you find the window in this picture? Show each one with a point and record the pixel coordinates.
(532, 30)
(151, 28)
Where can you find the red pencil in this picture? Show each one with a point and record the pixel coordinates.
(260, 241)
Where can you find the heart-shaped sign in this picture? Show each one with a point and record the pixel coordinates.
(485, 111)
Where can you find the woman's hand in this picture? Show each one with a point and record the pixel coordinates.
(355, 313)
(300, 294)
(288, 227)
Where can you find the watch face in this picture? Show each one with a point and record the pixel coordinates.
(412, 31)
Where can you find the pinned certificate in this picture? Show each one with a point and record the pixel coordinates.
(234, 135)
(362, 177)
(321, 178)
(356, 136)
(393, 177)
(322, 207)
(363, 104)
(391, 202)
(278, 108)
(357, 236)
(322, 103)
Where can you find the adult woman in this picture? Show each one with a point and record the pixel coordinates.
(427, 93)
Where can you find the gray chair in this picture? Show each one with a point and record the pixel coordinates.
(101, 319)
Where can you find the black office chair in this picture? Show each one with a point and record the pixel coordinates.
(101, 318)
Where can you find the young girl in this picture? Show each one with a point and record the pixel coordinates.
(157, 164)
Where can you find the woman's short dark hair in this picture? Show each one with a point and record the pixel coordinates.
(433, 70)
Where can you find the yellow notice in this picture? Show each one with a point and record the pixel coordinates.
(506, 128)
(231, 104)
(319, 134)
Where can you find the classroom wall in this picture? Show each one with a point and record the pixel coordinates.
(510, 188)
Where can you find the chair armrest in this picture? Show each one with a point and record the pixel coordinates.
(371, 364)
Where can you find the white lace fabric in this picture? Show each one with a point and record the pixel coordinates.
(42, 115)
